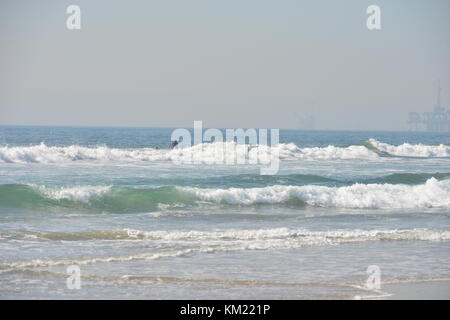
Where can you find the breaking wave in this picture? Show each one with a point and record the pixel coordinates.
(208, 152)
(217, 152)
(431, 194)
(92, 198)
(411, 150)
(45, 154)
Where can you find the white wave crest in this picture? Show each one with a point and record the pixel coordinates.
(52, 263)
(217, 152)
(211, 152)
(304, 237)
(207, 153)
(432, 194)
(80, 193)
(291, 151)
(413, 150)
(45, 154)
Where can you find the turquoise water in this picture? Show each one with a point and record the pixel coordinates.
(113, 202)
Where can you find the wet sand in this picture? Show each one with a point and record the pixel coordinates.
(427, 290)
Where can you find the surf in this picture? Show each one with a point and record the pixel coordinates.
(410, 150)
(433, 193)
(371, 150)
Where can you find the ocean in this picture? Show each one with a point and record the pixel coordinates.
(113, 204)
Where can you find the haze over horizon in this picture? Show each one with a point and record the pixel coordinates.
(261, 64)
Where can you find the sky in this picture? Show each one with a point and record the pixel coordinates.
(229, 63)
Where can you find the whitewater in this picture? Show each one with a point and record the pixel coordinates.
(42, 153)
(431, 194)
(122, 205)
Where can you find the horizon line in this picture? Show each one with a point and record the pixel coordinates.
(173, 127)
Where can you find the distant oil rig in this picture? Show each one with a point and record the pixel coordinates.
(436, 121)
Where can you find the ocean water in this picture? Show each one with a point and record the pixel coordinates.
(114, 202)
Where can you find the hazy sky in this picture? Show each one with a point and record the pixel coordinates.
(230, 63)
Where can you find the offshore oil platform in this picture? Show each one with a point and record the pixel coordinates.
(436, 121)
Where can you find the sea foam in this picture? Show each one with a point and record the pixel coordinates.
(199, 242)
(216, 152)
(432, 194)
(412, 150)
(77, 194)
(207, 153)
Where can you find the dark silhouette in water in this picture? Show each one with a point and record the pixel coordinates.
(174, 144)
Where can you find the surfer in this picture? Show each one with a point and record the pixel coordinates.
(174, 144)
